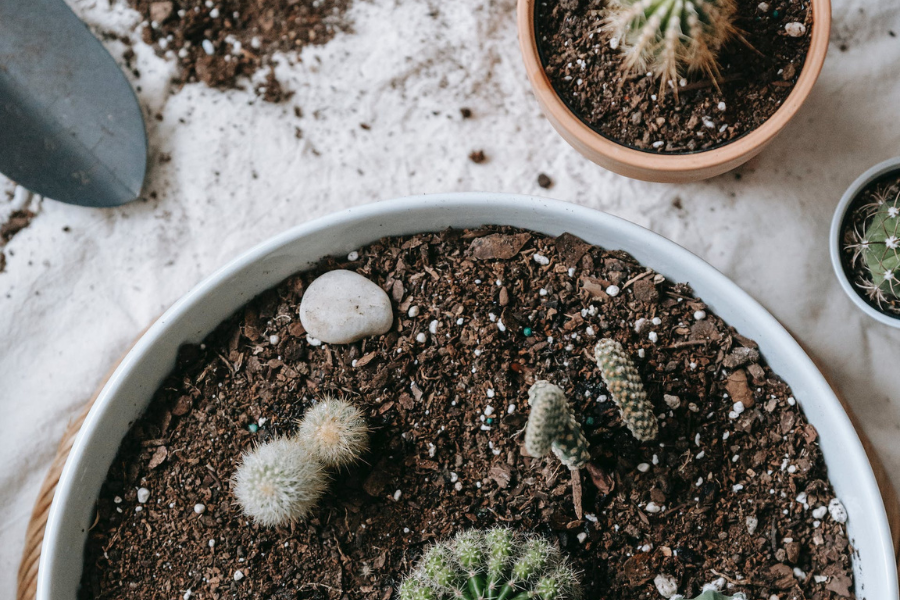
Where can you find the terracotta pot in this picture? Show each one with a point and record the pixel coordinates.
(669, 168)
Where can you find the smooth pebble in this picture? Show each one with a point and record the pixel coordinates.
(341, 307)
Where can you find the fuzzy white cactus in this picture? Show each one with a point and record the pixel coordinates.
(624, 383)
(671, 37)
(335, 432)
(498, 564)
(279, 482)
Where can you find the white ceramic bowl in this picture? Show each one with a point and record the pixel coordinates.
(131, 387)
(834, 235)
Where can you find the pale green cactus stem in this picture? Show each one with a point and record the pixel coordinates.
(552, 426)
(624, 384)
(882, 251)
(498, 564)
(670, 37)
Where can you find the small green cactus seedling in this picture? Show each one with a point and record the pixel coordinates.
(279, 482)
(671, 37)
(624, 384)
(879, 248)
(551, 426)
(498, 564)
(335, 432)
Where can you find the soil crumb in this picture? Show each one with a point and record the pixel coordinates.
(220, 42)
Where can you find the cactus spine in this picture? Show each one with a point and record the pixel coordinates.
(551, 426)
(281, 481)
(670, 37)
(498, 564)
(624, 384)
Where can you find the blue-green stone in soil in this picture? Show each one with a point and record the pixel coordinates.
(253, 427)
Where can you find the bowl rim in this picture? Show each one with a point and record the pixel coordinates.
(668, 164)
(834, 236)
(471, 203)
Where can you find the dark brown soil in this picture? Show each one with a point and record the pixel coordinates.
(16, 222)
(857, 219)
(511, 307)
(626, 109)
(244, 35)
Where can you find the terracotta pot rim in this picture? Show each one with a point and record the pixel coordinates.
(673, 163)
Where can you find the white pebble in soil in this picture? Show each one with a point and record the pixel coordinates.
(413, 312)
(820, 512)
(541, 259)
(672, 402)
(613, 290)
(341, 307)
(666, 585)
(837, 511)
(652, 507)
(699, 315)
(238, 575)
(643, 467)
(752, 524)
(353, 256)
(795, 29)
(421, 337)
(143, 494)
(199, 508)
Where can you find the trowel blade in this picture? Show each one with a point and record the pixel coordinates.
(71, 128)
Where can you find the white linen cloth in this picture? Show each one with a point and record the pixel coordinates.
(71, 302)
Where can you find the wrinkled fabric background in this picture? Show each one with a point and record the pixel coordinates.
(71, 302)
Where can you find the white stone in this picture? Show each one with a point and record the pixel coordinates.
(672, 401)
(199, 508)
(837, 510)
(341, 307)
(143, 494)
(653, 507)
(666, 585)
(795, 29)
(643, 467)
(752, 524)
(238, 575)
(819, 512)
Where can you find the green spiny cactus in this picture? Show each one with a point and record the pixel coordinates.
(624, 384)
(879, 248)
(498, 564)
(551, 426)
(669, 37)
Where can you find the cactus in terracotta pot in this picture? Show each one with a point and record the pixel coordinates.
(498, 564)
(670, 37)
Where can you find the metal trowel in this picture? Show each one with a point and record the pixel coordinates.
(71, 128)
